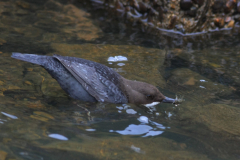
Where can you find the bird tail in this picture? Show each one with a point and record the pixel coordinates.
(32, 58)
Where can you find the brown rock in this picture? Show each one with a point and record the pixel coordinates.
(119, 5)
(219, 22)
(172, 6)
(160, 14)
(186, 4)
(133, 3)
(231, 24)
(142, 7)
(155, 4)
(218, 6)
(172, 22)
(192, 12)
(199, 2)
(230, 5)
(228, 19)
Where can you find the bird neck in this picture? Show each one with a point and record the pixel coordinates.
(132, 91)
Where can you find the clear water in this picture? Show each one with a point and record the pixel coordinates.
(39, 121)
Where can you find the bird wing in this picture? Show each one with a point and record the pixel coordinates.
(90, 80)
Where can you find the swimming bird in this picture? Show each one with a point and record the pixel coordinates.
(90, 81)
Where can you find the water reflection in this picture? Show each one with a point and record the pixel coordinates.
(117, 59)
(120, 64)
(90, 129)
(9, 115)
(2, 121)
(58, 136)
(146, 128)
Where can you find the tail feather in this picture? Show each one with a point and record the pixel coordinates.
(32, 58)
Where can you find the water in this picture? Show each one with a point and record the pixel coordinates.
(39, 121)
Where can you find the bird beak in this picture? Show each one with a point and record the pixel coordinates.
(168, 100)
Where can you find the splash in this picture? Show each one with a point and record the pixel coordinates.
(178, 100)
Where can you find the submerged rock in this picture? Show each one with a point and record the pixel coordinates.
(197, 86)
(218, 118)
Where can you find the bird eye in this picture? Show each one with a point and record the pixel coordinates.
(151, 97)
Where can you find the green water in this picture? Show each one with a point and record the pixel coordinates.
(39, 121)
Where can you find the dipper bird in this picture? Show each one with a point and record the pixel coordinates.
(86, 80)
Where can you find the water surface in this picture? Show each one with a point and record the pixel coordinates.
(39, 121)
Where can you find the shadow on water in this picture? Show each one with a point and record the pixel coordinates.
(39, 121)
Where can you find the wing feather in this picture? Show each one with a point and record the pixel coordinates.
(95, 84)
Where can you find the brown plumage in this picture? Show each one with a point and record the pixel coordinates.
(90, 81)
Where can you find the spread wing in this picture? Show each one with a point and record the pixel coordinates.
(95, 84)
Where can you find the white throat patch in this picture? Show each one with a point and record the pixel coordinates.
(151, 104)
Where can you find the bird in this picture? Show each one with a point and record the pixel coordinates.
(90, 81)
